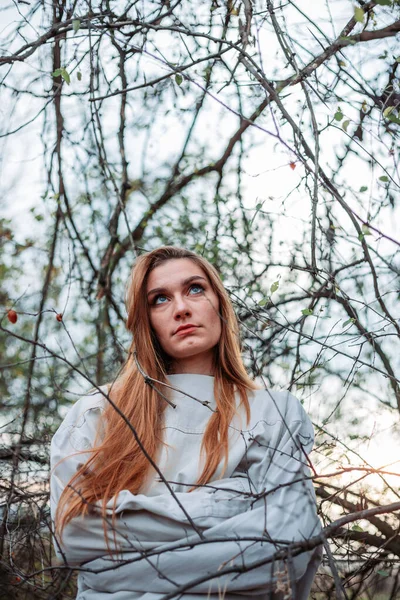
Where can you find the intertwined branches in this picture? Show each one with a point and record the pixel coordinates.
(263, 135)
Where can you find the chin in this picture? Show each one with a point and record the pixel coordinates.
(189, 353)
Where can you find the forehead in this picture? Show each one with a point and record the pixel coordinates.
(173, 272)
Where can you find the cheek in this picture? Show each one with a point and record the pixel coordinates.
(157, 325)
(213, 316)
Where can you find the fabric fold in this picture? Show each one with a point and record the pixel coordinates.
(264, 503)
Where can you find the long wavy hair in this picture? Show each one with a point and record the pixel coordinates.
(117, 461)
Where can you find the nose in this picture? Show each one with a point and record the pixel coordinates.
(181, 309)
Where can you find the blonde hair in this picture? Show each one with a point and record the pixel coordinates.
(117, 461)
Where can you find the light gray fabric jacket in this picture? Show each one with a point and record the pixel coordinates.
(160, 554)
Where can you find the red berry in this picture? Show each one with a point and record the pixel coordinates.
(12, 316)
(292, 165)
(59, 317)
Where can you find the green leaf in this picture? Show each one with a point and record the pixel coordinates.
(357, 528)
(263, 302)
(388, 110)
(65, 75)
(351, 320)
(207, 72)
(338, 115)
(383, 573)
(307, 312)
(178, 78)
(393, 119)
(359, 14)
(384, 178)
(76, 24)
(274, 287)
(347, 40)
(384, 2)
(79, 75)
(363, 188)
(345, 125)
(365, 230)
(398, 59)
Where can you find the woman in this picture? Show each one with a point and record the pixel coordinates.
(182, 479)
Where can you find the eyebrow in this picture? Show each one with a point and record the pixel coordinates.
(183, 283)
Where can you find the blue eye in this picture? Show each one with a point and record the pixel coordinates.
(197, 288)
(157, 298)
(194, 289)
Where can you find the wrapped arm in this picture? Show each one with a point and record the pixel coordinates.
(284, 513)
(143, 522)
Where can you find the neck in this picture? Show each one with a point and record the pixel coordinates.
(195, 365)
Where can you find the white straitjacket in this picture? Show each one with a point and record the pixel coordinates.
(159, 551)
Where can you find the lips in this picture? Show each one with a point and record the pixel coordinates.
(185, 329)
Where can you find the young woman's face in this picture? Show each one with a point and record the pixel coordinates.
(184, 314)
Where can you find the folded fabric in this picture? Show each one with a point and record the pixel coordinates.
(264, 503)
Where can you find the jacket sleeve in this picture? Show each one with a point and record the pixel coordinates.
(284, 513)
